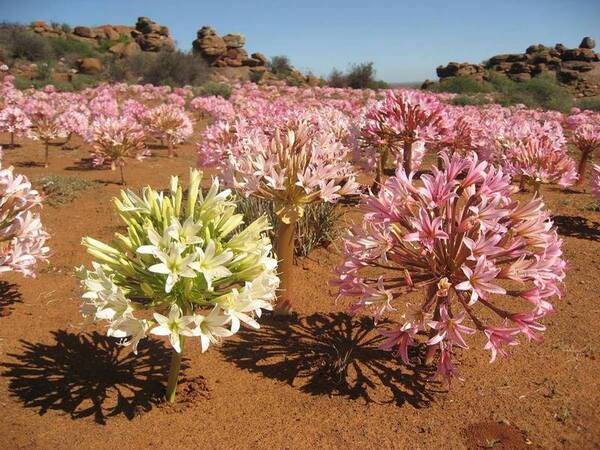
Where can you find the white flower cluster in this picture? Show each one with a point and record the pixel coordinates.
(181, 269)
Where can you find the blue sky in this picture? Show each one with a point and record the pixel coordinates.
(405, 39)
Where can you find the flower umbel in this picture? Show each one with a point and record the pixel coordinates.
(464, 242)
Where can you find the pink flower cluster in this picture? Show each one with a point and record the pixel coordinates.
(169, 123)
(297, 164)
(483, 261)
(14, 121)
(22, 237)
(114, 139)
(538, 152)
(403, 124)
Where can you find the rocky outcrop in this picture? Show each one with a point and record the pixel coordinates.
(146, 35)
(577, 68)
(89, 66)
(226, 51)
(152, 37)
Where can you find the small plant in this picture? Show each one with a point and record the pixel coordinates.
(563, 414)
(105, 44)
(319, 226)
(462, 85)
(542, 91)
(115, 139)
(25, 44)
(170, 124)
(281, 66)
(400, 125)
(212, 88)
(179, 270)
(590, 104)
(64, 47)
(172, 68)
(61, 190)
(45, 125)
(586, 137)
(467, 100)
(542, 159)
(15, 122)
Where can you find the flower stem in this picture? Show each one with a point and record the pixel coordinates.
(174, 372)
(46, 154)
(122, 176)
(536, 187)
(407, 157)
(12, 140)
(582, 167)
(383, 157)
(285, 254)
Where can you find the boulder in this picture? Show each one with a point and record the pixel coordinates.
(145, 26)
(251, 62)
(107, 32)
(567, 76)
(91, 41)
(579, 66)
(535, 48)
(234, 40)
(545, 57)
(427, 84)
(523, 76)
(210, 45)
(540, 69)
(454, 69)
(85, 32)
(123, 29)
(122, 49)
(578, 54)
(520, 67)
(39, 24)
(514, 57)
(502, 67)
(449, 70)
(587, 42)
(89, 66)
(206, 31)
(155, 42)
(258, 69)
(262, 58)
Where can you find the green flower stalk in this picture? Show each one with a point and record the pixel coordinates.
(180, 270)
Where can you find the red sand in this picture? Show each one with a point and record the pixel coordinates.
(317, 382)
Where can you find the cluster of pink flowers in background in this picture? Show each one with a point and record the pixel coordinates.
(115, 139)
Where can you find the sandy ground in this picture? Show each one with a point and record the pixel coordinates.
(64, 385)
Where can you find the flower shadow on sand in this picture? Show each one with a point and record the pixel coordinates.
(329, 354)
(9, 295)
(88, 375)
(579, 227)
